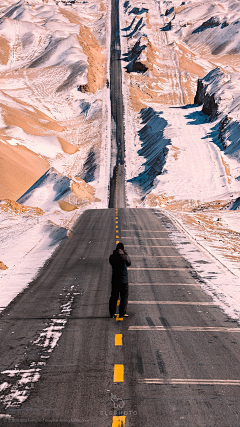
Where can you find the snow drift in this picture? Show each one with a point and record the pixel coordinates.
(219, 95)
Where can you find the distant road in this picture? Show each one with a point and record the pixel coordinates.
(179, 356)
(117, 198)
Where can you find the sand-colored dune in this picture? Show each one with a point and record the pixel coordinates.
(19, 169)
(4, 50)
(92, 49)
(3, 266)
(12, 207)
(66, 206)
(83, 190)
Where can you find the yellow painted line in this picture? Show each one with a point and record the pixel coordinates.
(118, 373)
(119, 318)
(118, 339)
(118, 302)
(118, 421)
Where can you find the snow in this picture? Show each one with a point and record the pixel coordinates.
(231, 219)
(196, 152)
(47, 190)
(186, 147)
(45, 146)
(15, 392)
(25, 244)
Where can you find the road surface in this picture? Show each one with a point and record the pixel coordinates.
(58, 351)
(117, 194)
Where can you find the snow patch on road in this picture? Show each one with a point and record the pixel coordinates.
(17, 383)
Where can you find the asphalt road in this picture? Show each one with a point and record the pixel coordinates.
(117, 198)
(58, 352)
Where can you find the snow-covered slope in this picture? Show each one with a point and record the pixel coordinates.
(53, 95)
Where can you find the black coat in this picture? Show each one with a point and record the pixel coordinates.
(119, 261)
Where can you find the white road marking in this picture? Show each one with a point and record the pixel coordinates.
(156, 238)
(173, 302)
(164, 284)
(159, 268)
(156, 256)
(188, 381)
(151, 246)
(148, 231)
(183, 329)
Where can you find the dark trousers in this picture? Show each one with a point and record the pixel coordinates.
(117, 289)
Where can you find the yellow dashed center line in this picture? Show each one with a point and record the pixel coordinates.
(118, 373)
(118, 339)
(118, 421)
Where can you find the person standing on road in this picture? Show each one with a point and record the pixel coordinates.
(119, 261)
